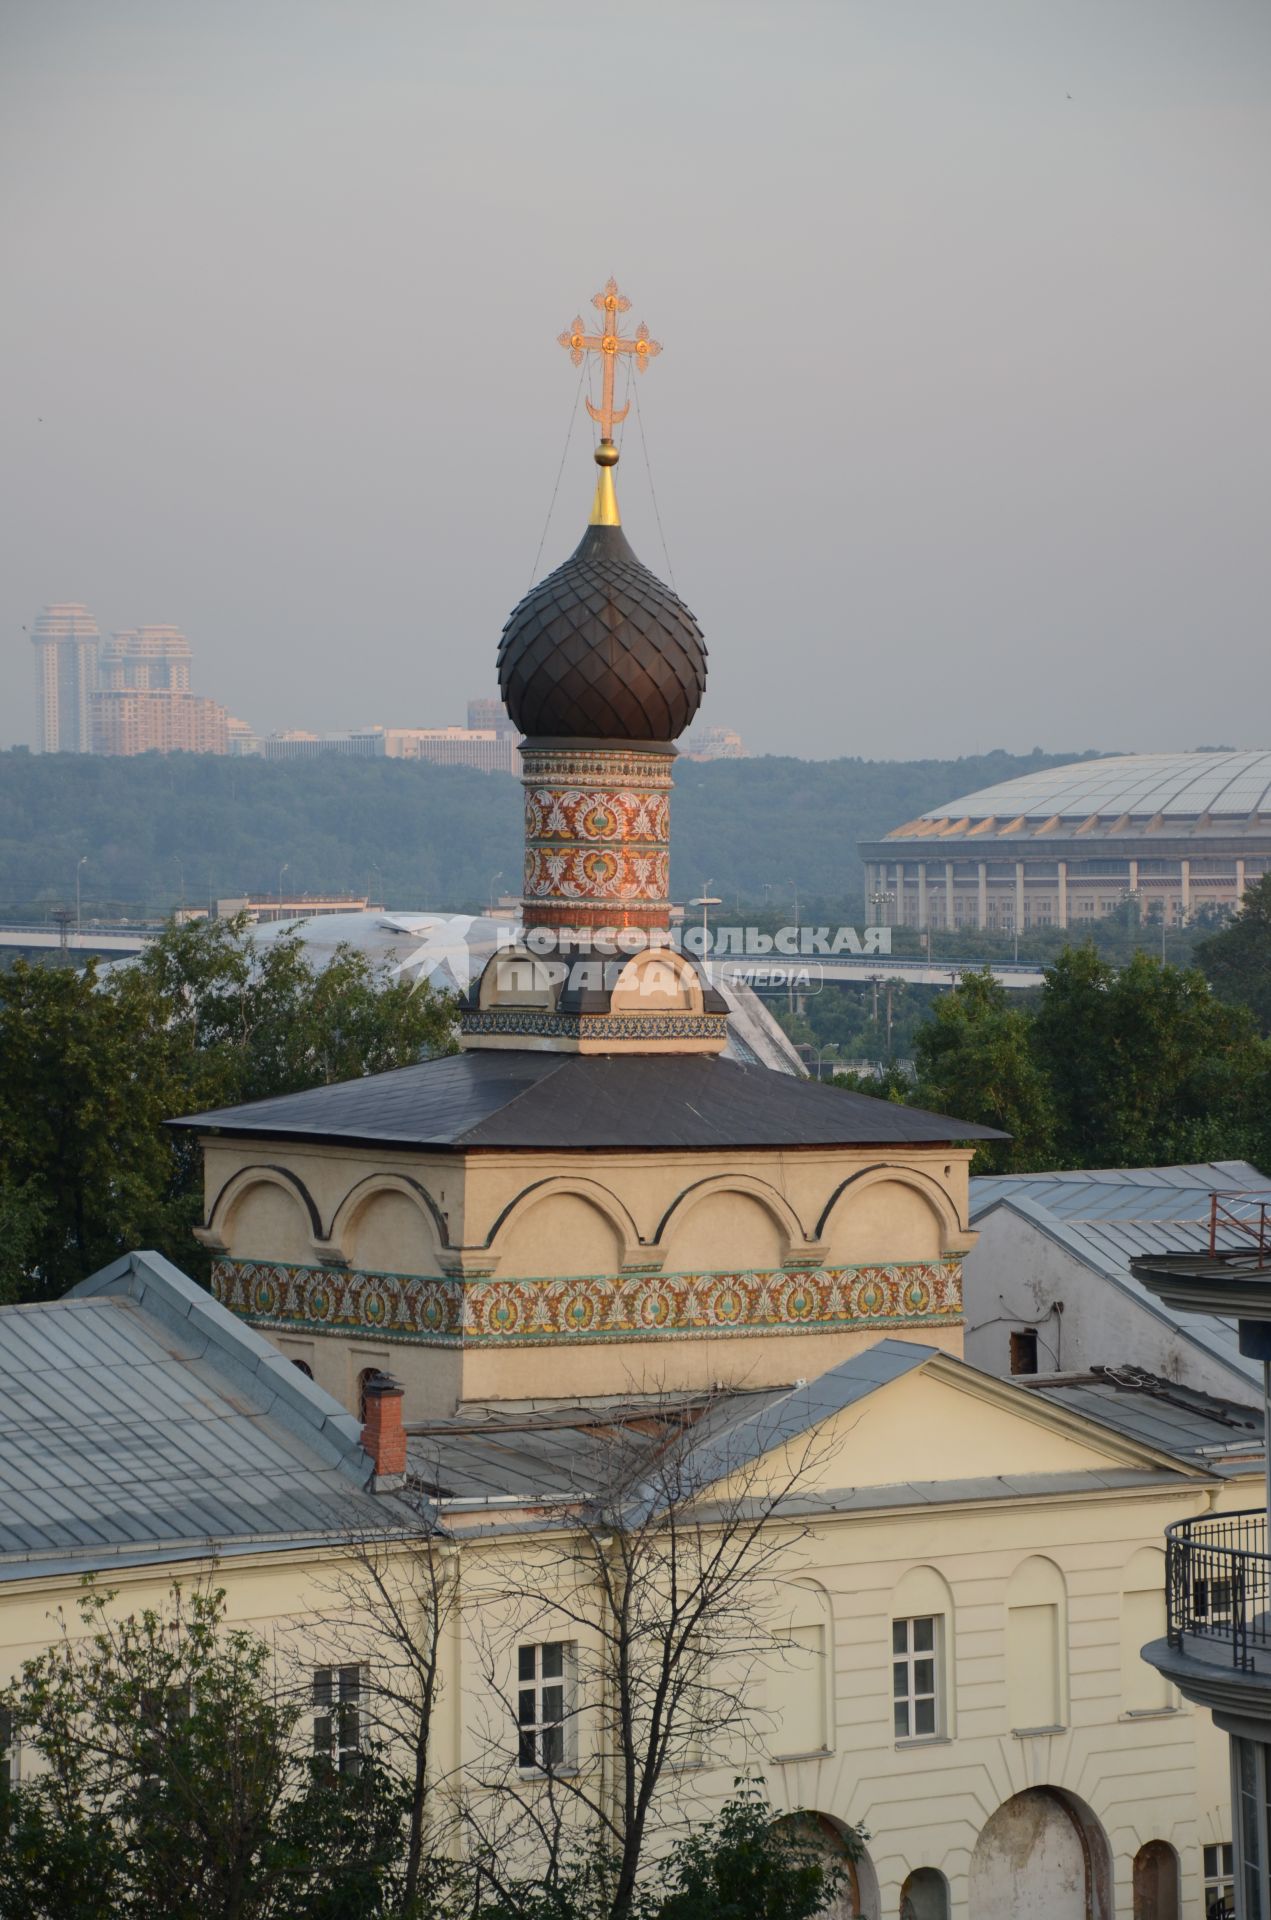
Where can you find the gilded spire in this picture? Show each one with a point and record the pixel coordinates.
(609, 344)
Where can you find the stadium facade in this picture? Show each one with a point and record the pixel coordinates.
(1174, 833)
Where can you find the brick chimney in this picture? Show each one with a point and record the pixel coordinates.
(383, 1435)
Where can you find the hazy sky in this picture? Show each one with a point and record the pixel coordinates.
(960, 435)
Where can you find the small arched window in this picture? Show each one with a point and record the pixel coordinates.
(1036, 1647)
(925, 1895)
(304, 1367)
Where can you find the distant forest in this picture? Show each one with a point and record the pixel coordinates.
(157, 830)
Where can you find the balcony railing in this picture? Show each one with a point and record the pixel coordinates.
(1251, 1231)
(1218, 1587)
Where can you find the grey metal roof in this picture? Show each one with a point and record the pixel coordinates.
(544, 1455)
(550, 1452)
(137, 1414)
(1178, 786)
(561, 1101)
(1107, 1217)
(1221, 1435)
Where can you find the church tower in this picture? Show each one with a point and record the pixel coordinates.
(590, 1197)
(602, 667)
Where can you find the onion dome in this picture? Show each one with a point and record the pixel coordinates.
(601, 649)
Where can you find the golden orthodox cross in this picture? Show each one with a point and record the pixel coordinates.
(609, 344)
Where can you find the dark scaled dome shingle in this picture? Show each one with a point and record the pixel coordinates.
(602, 650)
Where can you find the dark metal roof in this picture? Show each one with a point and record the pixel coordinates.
(511, 1099)
(602, 650)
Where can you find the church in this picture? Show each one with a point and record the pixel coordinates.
(587, 1197)
(482, 1267)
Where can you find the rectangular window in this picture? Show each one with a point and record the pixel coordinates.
(1220, 1888)
(338, 1716)
(543, 1677)
(1024, 1351)
(915, 1677)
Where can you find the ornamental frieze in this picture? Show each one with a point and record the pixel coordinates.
(596, 873)
(486, 1312)
(671, 1024)
(620, 767)
(574, 813)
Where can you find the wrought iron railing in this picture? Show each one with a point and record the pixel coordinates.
(1252, 1230)
(1218, 1586)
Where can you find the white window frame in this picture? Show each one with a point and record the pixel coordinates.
(545, 1679)
(339, 1714)
(907, 1656)
(1218, 1859)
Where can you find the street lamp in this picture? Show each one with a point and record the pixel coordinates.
(284, 868)
(494, 879)
(78, 871)
(706, 901)
(882, 901)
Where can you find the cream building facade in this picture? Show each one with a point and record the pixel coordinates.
(1053, 1773)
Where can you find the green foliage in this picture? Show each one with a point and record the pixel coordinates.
(1109, 1067)
(1144, 1065)
(92, 1065)
(159, 829)
(174, 1780)
(974, 1058)
(743, 1865)
(1237, 961)
(749, 1867)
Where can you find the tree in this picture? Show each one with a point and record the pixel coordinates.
(742, 1865)
(1144, 1065)
(390, 1607)
(92, 1064)
(173, 1782)
(750, 1867)
(974, 1060)
(651, 1590)
(85, 1086)
(1237, 961)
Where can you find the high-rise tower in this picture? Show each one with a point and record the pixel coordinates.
(65, 640)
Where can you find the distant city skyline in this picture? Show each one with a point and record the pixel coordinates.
(958, 434)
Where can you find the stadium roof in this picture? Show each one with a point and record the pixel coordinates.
(1135, 792)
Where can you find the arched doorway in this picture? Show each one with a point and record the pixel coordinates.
(1156, 1882)
(858, 1897)
(1042, 1856)
(925, 1896)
